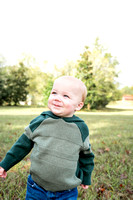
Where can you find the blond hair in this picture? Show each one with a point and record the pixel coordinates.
(79, 83)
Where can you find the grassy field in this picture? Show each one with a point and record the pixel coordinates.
(111, 137)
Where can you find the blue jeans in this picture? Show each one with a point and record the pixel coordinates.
(35, 192)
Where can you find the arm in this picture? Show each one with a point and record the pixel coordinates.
(18, 151)
(86, 165)
(86, 158)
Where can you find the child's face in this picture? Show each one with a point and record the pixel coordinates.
(65, 98)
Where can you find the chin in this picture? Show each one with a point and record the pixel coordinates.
(57, 113)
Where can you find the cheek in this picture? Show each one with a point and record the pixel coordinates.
(70, 106)
(49, 101)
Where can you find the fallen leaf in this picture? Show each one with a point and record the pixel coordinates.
(128, 152)
(121, 185)
(103, 142)
(100, 191)
(129, 191)
(107, 149)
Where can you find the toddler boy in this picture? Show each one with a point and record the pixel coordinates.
(61, 157)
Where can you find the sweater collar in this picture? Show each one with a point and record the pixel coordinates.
(67, 119)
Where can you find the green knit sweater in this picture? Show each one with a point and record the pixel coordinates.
(61, 157)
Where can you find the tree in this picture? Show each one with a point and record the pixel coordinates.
(68, 70)
(36, 84)
(15, 84)
(37, 79)
(96, 69)
(2, 80)
(127, 90)
(48, 88)
(3, 91)
(2, 60)
(85, 73)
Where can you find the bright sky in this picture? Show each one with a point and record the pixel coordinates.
(58, 30)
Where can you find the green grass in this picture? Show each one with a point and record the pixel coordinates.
(111, 137)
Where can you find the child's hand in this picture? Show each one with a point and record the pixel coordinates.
(3, 173)
(84, 186)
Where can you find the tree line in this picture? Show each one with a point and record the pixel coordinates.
(96, 68)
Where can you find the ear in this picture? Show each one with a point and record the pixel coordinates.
(79, 106)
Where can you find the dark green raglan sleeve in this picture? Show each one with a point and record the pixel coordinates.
(86, 157)
(86, 165)
(18, 151)
(23, 145)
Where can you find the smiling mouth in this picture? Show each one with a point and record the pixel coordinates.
(57, 105)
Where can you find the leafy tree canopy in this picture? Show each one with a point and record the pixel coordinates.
(13, 84)
(127, 90)
(96, 69)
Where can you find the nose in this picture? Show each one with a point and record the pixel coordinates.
(57, 98)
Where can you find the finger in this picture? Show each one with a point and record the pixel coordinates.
(1, 171)
(4, 175)
(85, 186)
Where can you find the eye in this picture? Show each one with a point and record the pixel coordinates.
(66, 96)
(53, 92)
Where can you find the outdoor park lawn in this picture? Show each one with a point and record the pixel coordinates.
(111, 137)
